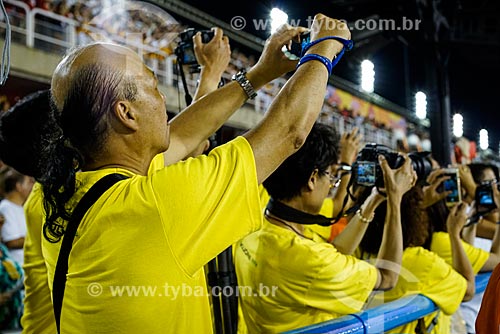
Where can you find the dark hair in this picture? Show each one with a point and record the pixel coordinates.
(21, 130)
(415, 223)
(91, 96)
(477, 170)
(439, 213)
(10, 179)
(319, 151)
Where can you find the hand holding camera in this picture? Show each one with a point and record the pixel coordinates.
(457, 218)
(273, 63)
(431, 193)
(214, 55)
(398, 181)
(368, 173)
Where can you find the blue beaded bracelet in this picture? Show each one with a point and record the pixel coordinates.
(321, 58)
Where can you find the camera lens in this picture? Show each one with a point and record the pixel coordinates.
(421, 164)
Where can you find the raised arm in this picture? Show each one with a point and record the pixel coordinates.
(349, 148)
(203, 117)
(298, 104)
(349, 239)
(397, 183)
(455, 222)
(213, 58)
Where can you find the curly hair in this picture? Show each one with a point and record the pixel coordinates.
(415, 223)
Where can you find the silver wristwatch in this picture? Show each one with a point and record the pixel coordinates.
(242, 79)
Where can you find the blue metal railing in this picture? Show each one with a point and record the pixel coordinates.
(384, 317)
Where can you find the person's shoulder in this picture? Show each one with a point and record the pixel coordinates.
(422, 258)
(237, 144)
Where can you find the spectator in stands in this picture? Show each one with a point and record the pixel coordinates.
(424, 271)
(135, 121)
(17, 188)
(11, 283)
(309, 274)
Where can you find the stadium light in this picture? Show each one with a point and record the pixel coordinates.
(483, 139)
(278, 17)
(367, 76)
(458, 125)
(421, 105)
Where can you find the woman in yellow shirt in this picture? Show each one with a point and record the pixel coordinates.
(423, 271)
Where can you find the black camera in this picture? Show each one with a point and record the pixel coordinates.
(367, 171)
(485, 200)
(294, 52)
(184, 50)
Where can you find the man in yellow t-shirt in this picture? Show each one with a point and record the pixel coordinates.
(136, 262)
(32, 113)
(288, 276)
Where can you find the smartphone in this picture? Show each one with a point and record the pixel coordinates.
(366, 173)
(484, 198)
(453, 185)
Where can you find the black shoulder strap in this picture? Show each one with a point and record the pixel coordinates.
(83, 206)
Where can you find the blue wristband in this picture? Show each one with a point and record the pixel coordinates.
(348, 45)
(320, 58)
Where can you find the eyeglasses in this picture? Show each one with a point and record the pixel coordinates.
(334, 180)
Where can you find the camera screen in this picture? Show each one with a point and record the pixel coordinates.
(366, 173)
(485, 197)
(188, 55)
(452, 185)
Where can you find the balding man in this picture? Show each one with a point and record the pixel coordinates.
(136, 264)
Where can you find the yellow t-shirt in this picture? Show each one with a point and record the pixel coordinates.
(38, 315)
(295, 281)
(327, 211)
(137, 260)
(441, 246)
(424, 272)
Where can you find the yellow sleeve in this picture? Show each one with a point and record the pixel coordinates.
(441, 246)
(342, 284)
(210, 201)
(157, 163)
(443, 285)
(38, 316)
(264, 196)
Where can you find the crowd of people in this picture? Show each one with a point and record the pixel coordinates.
(118, 183)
